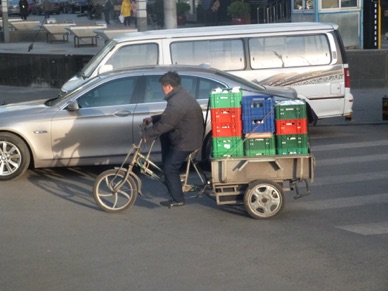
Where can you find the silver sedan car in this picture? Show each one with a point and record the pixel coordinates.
(97, 123)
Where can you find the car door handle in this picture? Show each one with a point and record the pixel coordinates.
(122, 113)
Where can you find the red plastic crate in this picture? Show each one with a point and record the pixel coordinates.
(226, 129)
(229, 115)
(291, 126)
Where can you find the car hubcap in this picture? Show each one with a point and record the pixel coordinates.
(10, 159)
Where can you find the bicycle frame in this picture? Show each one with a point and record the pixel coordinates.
(117, 189)
(150, 169)
(143, 162)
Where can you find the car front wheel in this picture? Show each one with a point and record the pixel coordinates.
(14, 156)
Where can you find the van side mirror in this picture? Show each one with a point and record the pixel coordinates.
(105, 68)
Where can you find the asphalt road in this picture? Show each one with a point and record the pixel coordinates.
(54, 237)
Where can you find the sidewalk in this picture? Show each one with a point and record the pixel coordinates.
(67, 48)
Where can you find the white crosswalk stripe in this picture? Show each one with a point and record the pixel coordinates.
(368, 176)
(368, 228)
(342, 202)
(352, 162)
(350, 145)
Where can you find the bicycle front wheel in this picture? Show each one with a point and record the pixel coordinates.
(112, 192)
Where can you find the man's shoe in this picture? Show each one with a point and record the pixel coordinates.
(172, 203)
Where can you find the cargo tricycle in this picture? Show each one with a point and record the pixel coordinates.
(257, 182)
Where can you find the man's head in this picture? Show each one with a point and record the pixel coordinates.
(169, 81)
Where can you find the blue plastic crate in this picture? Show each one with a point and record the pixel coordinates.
(257, 107)
(251, 124)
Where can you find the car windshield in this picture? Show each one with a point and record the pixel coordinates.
(96, 60)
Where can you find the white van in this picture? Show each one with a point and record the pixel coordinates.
(309, 57)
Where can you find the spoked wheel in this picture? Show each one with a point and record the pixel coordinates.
(108, 193)
(263, 199)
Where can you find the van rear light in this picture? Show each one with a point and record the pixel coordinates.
(347, 77)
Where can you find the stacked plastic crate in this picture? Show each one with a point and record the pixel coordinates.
(291, 128)
(258, 125)
(225, 106)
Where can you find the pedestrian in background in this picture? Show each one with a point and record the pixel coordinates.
(23, 5)
(126, 12)
(46, 8)
(134, 12)
(107, 10)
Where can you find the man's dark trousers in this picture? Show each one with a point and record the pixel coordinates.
(171, 166)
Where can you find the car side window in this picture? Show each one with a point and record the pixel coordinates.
(153, 90)
(114, 92)
(205, 87)
(199, 87)
(190, 84)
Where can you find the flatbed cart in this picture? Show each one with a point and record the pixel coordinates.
(260, 182)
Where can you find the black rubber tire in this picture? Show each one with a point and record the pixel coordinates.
(206, 153)
(264, 199)
(14, 156)
(104, 195)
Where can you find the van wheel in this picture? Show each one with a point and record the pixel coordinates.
(14, 156)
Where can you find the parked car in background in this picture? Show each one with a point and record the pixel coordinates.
(38, 7)
(96, 123)
(79, 6)
(13, 7)
(62, 5)
(31, 4)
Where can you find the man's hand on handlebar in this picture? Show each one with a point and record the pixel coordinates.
(147, 121)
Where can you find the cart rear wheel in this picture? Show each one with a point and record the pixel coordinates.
(263, 199)
(109, 196)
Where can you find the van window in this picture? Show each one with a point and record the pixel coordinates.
(134, 55)
(221, 54)
(289, 51)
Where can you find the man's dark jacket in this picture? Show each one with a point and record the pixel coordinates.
(182, 119)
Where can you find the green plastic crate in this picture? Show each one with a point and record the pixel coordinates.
(227, 147)
(292, 144)
(259, 147)
(297, 111)
(226, 99)
(293, 151)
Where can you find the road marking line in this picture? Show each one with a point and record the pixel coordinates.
(342, 179)
(367, 228)
(335, 203)
(351, 160)
(331, 147)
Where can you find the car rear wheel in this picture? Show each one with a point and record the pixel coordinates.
(14, 156)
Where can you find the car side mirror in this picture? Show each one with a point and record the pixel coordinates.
(72, 106)
(105, 68)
